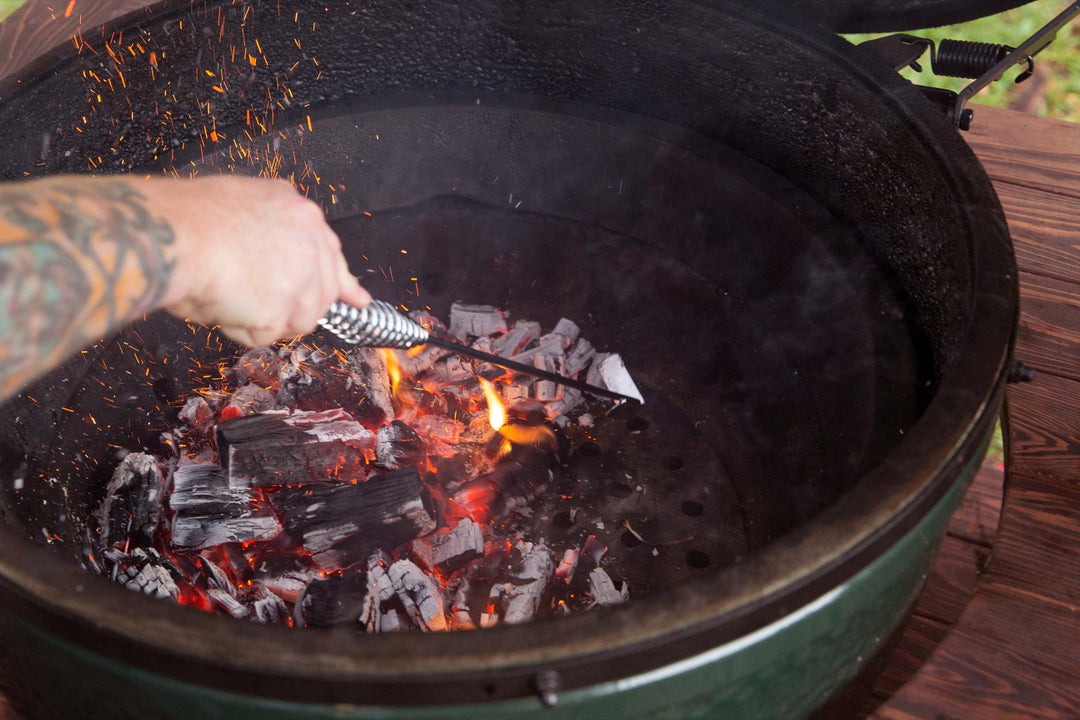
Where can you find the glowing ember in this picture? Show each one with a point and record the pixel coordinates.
(394, 489)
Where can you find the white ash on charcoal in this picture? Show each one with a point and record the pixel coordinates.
(608, 370)
(475, 320)
(516, 339)
(340, 525)
(250, 399)
(268, 608)
(516, 597)
(284, 573)
(145, 571)
(198, 415)
(451, 549)
(132, 507)
(279, 448)
(579, 357)
(210, 511)
(420, 595)
(603, 591)
(512, 484)
(398, 446)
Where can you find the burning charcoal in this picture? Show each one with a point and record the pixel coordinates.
(204, 490)
(602, 589)
(285, 575)
(517, 599)
(380, 590)
(340, 525)
(450, 551)
(333, 600)
(512, 484)
(449, 370)
(568, 401)
(550, 345)
(579, 358)
(248, 400)
(228, 603)
(145, 571)
(415, 364)
(460, 617)
(441, 428)
(547, 390)
(394, 620)
(609, 371)
(474, 320)
(514, 341)
(369, 381)
(258, 365)
(210, 512)
(567, 329)
(203, 531)
(132, 505)
(567, 565)
(278, 449)
(420, 594)
(198, 415)
(397, 445)
(270, 608)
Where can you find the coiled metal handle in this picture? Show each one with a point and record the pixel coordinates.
(377, 325)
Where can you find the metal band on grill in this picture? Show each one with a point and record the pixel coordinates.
(377, 325)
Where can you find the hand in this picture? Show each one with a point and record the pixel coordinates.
(252, 256)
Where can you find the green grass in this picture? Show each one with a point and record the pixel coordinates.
(8, 6)
(1057, 88)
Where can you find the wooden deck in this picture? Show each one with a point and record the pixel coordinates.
(996, 633)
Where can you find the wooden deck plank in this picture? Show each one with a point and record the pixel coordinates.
(1049, 338)
(1003, 660)
(921, 636)
(1044, 428)
(1043, 228)
(952, 580)
(976, 518)
(1026, 150)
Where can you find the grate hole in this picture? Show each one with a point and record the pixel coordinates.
(697, 559)
(629, 539)
(589, 449)
(671, 462)
(692, 508)
(637, 424)
(562, 520)
(620, 490)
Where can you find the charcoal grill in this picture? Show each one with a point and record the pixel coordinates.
(803, 265)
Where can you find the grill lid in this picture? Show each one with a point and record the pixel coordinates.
(889, 15)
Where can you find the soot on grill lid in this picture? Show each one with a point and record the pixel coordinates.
(887, 15)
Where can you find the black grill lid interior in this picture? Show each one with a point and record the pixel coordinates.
(888, 15)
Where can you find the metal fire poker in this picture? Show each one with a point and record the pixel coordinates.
(381, 325)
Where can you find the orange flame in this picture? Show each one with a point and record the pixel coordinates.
(496, 409)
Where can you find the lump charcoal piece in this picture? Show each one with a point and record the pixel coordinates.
(615, 377)
(474, 320)
(259, 365)
(603, 591)
(369, 382)
(133, 499)
(204, 490)
(516, 598)
(420, 594)
(414, 364)
(450, 370)
(144, 571)
(228, 603)
(450, 551)
(515, 481)
(278, 449)
(198, 415)
(567, 566)
(516, 339)
(334, 600)
(569, 400)
(567, 329)
(441, 428)
(579, 357)
(248, 400)
(202, 531)
(397, 446)
(269, 608)
(340, 525)
(548, 346)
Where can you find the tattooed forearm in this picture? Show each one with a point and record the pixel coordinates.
(79, 258)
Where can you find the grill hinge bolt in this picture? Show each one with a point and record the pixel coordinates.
(1019, 372)
(547, 684)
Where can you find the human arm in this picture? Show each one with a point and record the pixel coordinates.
(81, 257)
